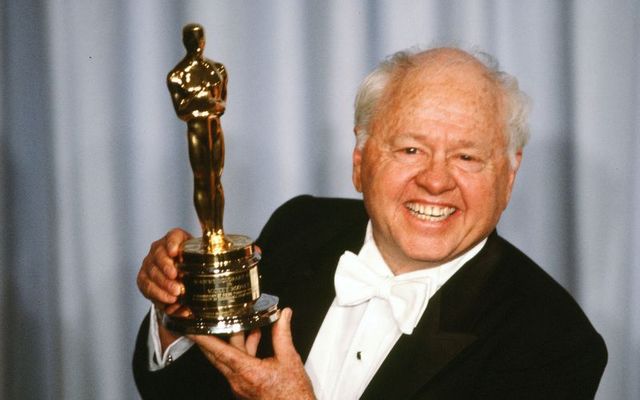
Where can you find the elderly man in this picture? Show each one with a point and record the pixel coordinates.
(410, 294)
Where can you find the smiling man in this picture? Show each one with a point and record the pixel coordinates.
(410, 294)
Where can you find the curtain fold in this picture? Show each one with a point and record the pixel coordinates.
(94, 165)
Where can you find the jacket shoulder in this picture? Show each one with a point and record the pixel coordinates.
(544, 299)
(543, 321)
(308, 215)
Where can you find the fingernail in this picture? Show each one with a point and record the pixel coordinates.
(178, 289)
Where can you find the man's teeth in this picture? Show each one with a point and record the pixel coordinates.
(430, 213)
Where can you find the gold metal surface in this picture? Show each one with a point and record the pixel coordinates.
(198, 89)
(219, 272)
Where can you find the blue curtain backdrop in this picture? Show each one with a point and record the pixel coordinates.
(94, 166)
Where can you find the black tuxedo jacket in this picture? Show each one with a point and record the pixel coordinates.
(499, 328)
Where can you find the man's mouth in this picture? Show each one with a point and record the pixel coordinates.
(430, 213)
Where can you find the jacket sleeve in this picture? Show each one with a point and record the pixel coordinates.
(189, 377)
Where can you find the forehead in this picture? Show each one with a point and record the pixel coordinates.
(450, 92)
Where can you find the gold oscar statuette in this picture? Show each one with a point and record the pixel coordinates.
(219, 271)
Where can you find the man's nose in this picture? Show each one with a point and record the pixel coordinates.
(435, 176)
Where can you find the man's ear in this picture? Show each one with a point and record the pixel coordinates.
(357, 166)
(513, 171)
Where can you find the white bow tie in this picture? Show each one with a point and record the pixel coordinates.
(356, 283)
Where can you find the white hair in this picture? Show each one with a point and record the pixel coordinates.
(516, 102)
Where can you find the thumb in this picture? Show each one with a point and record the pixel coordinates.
(173, 239)
(281, 333)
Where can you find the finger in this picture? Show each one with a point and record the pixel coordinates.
(173, 239)
(207, 342)
(159, 267)
(165, 264)
(152, 291)
(225, 370)
(156, 294)
(159, 257)
(178, 310)
(171, 286)
(252, 342)
(237, 341)
(281, 333)
(222, 352)
(172, 308)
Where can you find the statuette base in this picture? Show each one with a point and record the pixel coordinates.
(263, 312)
(221, 289)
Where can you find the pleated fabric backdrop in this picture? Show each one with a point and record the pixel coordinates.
(94, 166)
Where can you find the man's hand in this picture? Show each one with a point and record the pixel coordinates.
(157, 278)
(279, 377)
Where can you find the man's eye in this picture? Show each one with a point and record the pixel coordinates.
(410, 150)
(467, 157)
(408, 155)
(467, 162)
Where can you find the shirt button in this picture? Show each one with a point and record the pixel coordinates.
(169, 360)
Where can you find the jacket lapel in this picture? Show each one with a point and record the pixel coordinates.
(416, 358)
(319, 290)
(304, 282)
(447, 328)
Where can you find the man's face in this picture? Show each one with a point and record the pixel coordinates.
(434, 172)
